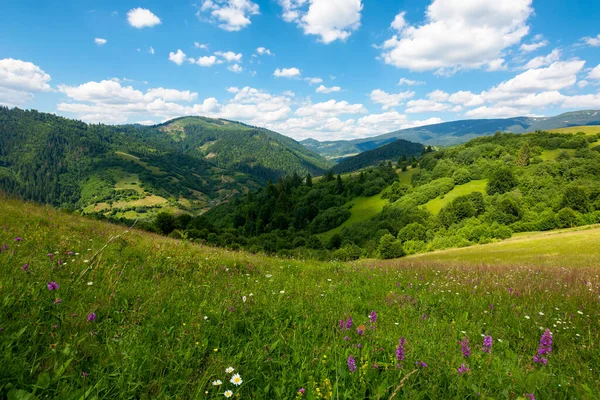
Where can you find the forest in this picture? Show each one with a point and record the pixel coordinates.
(533, 182)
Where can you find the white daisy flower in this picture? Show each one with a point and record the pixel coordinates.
(229, 370)
(236, 380)
(244, 298)
(90, 283)
(228, 393)
(527, 317)
(217, 383)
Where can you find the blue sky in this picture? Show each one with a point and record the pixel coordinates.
(327, 69)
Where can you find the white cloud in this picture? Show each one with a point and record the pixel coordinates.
(331, 20)
(409, 82)
(583, 84)
(438, 95)
(466, 99)
(314, 81)
(588, 101)
(399, 22)
(233, 89)
(207, 61)
(178, 58)
(592, 41)
(19, 80)
(331, 108)
(199, 45)
(171, 94)
(421, 106)
(528, 48)
(230, 56)
(325, 89)
(287, 72)
(459, 34)
(495, 112)
(230, 15)
(264, 51)
(594, 73)
(236, 68)
(142, 18)
(388, 100)
(151, 50)
(543, 61)
(100, 41)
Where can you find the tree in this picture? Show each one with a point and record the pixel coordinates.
(502, 180)
(389, 247)
(309, 182)
(576, 198)
(524, 156)
(165, 222)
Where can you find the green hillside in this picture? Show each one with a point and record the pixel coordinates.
(188, 165)
(136, 315)
(389, 152)
(435, 206)
(361, 209)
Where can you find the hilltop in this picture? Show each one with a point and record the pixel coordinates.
(187, 165)
(452, 133)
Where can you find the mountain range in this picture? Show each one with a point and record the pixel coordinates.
(451, 133)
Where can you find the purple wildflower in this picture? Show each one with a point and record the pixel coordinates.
(421, 364)
(18, 239)
(351, 364)
(25, 267)
(373, 317)
(487, 344)
(57, 301)
(231, 309)
(463, 368)
(50, 255)
(545, 348)
(349, 323)
(466, 350)
(424, 317)
(5, 246)
(346, 338)
(302, 391)
(375, 366)
(400, 350)
(70, 253)
(529, 396)
(60, 262)
(491, 307)
(91, 317)
(359, 346)
(84, 374)
(52, 286)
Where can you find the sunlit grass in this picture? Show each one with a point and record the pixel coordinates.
(171, 316)
(434, 206)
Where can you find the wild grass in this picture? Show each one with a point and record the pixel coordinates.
(434, 206)
(171, 316)
(362, 209)
(588, 129)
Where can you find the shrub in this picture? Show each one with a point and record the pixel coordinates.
(349, 252)
(501, 181)
(389, 247)
(567, 218)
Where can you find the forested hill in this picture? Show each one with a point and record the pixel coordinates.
(482, 191)
(390, 152)
(189, 164)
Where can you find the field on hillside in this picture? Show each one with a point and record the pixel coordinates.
(92, 310)
(588, 130)
(434, 206)
(363, 209)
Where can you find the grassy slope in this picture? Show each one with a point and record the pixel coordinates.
(434, 206)
(363, 208)
(171, 317)
(588, 130)
(573, 247)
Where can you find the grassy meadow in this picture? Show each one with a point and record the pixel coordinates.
(362, 209)
(434, 206)
(92, 310)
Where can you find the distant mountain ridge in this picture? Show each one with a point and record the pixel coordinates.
(455, 132)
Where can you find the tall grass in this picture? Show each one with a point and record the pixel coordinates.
(171, 316)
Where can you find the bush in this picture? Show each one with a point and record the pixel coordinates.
(349, 252)
(329, 219)
(389, 248)
(461, 176)
(501, 181)
(414, 231)
(414, 246)
(567, 218)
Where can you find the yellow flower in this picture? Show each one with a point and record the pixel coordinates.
(215, 350)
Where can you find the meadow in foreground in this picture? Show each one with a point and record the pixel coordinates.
(143, 316)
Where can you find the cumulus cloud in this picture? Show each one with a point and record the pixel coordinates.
(206, 61)
(100, 41)
(199, 45)
(230, 56)
(331, 108)
(142, 18)
(388, 100)
(495, 112)
(422, 106)
(19, 80)
(314, 81)
(178, 58)
(287, 72)
(594, 73)
(592, 41)
(459, 34)
(325, 89)
(409, 82)
(537, 43)
(264, 51)
(230, 15)
(543, 61)
(331, 20)
(236, 68)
